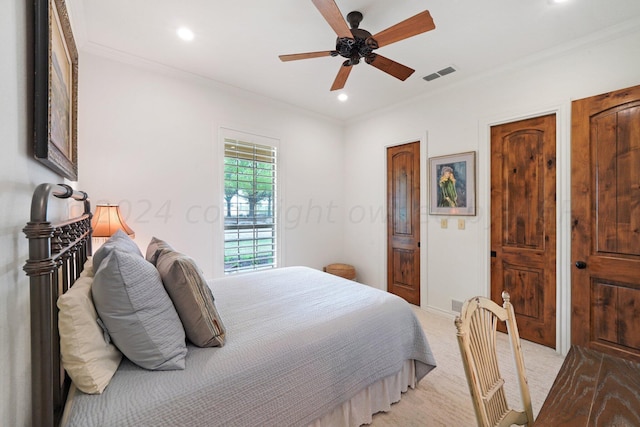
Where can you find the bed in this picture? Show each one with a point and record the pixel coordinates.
(302, 347)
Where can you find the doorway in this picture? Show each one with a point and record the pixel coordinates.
(403, 222)
(523, 223)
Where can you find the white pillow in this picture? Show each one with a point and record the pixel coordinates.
(87, 270)
(87, 357)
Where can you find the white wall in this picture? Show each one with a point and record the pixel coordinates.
(149, 140)
(455, 263)
(19, 175)
(148, 137)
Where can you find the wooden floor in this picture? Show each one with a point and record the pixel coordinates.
(593, 389)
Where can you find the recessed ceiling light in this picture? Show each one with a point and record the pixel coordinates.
(557, 1)
(185, 34)
(343, 97)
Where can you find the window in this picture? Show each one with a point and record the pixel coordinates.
(249, 206)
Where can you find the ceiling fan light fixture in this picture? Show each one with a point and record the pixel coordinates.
(343, 97)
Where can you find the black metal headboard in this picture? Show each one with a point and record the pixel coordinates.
(57, 253)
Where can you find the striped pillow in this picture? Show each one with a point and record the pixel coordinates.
(154, 248)
(192, 298)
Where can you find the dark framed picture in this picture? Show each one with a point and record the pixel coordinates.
(452, 184)
(56, 89)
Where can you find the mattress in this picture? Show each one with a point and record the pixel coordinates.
(300, 343)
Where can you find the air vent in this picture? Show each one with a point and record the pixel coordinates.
(431, 76)
(446, 71)
(440, 73)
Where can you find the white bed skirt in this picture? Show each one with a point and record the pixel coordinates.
(378, 397)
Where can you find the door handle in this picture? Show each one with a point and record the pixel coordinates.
(581, 265)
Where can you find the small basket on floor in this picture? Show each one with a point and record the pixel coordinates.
(343, 270)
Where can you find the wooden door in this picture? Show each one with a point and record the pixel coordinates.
(523, 223)
(403, 222)
(605, 222)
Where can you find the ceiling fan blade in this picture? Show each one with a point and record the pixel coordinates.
(393, 68)
(296, 56)
(333, 16)
(341, 78)
(410, 27)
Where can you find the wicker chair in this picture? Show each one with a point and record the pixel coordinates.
(476, 327)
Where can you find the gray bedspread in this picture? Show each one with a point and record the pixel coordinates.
(299, 343)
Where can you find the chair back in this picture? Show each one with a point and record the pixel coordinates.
(477, 335)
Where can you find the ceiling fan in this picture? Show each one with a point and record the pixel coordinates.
(355, 43)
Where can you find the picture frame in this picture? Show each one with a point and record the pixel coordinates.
(55, 89)
(452, 184)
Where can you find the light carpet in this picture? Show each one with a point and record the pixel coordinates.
(442, 397)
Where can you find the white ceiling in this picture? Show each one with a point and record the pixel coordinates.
(237, 42)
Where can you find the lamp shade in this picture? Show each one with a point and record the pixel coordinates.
(107, 220)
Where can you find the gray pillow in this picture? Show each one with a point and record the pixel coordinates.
(129, 297)
(119, 240)
(153, 250)
(192, 298)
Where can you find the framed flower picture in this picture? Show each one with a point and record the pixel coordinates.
(452, 184)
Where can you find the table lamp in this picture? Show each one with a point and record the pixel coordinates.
(107, 220)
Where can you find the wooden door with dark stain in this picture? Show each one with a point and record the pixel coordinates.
(523, 223)
(403, 222)
(605, 222)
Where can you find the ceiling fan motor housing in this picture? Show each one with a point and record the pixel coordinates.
(360, 46)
